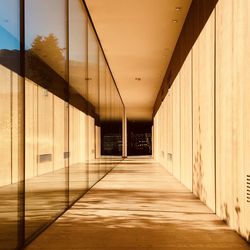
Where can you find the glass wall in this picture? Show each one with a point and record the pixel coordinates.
(93, 97)
(57, 117)
(46, 70)
(11, 124)
(78, 113)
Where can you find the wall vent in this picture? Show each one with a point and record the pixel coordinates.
(66, 155)
(248, 188)
(44, 158)
(170, 157)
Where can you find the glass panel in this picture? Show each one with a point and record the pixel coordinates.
(102, 108)
(78, 170)
(93, 98)
(11, 90)
(106, 143)
(72, 114)
(118, 123)
(108, 135)
(111, 119)
(46, 113)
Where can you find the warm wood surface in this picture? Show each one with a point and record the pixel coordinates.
(232, 113)
(221, 117)
(5, 125)
(139, 205)
(203, 115)
(196, 19)
(176, 128)
(186, 122)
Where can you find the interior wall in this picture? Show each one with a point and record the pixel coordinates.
(176, 128)
(165, 130)
(203, 114)
(186, 123)
(5, 130)
(11, 153)
(155, 141)
(31, 129)
(97, 142)
(169, 120)
(162, 134)
(211, 118)
(232, 113)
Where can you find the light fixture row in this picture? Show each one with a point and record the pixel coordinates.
(177, 8)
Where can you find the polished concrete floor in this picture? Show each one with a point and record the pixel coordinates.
(46, 196)
(139, 205)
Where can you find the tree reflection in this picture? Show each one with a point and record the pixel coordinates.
(47, 49)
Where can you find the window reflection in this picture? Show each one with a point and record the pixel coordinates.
(78, 133)
(45, 166)
(10, 123)
(69, 103)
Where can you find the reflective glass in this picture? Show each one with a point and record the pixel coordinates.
(11, 117)
(78, 123)
(46, 113)
(93, 98)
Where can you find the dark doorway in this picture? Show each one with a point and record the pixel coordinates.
(139, 138)
(111, 138)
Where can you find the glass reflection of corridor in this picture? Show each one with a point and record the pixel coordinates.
(56, 93)
(139, 205)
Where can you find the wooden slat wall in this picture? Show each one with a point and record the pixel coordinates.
(186, 122)
(31, 128)
(5, 125)
(176, 128)
(16, 107)
(210, 105)
(169, 152)
(58, 127)
(196, 19)
(203, 115)
(232, 112)
(45, 128)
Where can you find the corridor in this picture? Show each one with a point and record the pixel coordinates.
(139, 205)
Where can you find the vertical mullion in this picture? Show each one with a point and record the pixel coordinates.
(11, 127)
(192, 115)
(21, 128)
(215, 161)
(67, 167)
(87, 96)
(98, 114)
(180, 110)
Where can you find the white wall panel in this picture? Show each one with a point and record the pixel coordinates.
(203, 115)
(186, 122)
(232, 113)
(176, 129)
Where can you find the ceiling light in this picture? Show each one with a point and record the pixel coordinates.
(178, 8)
(174, 20)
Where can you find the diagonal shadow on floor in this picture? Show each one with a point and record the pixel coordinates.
(139, 206)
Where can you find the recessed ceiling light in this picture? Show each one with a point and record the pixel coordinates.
(178, 8)
(174, 20)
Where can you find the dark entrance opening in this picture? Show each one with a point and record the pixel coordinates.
(111, 138)
(139, 138)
